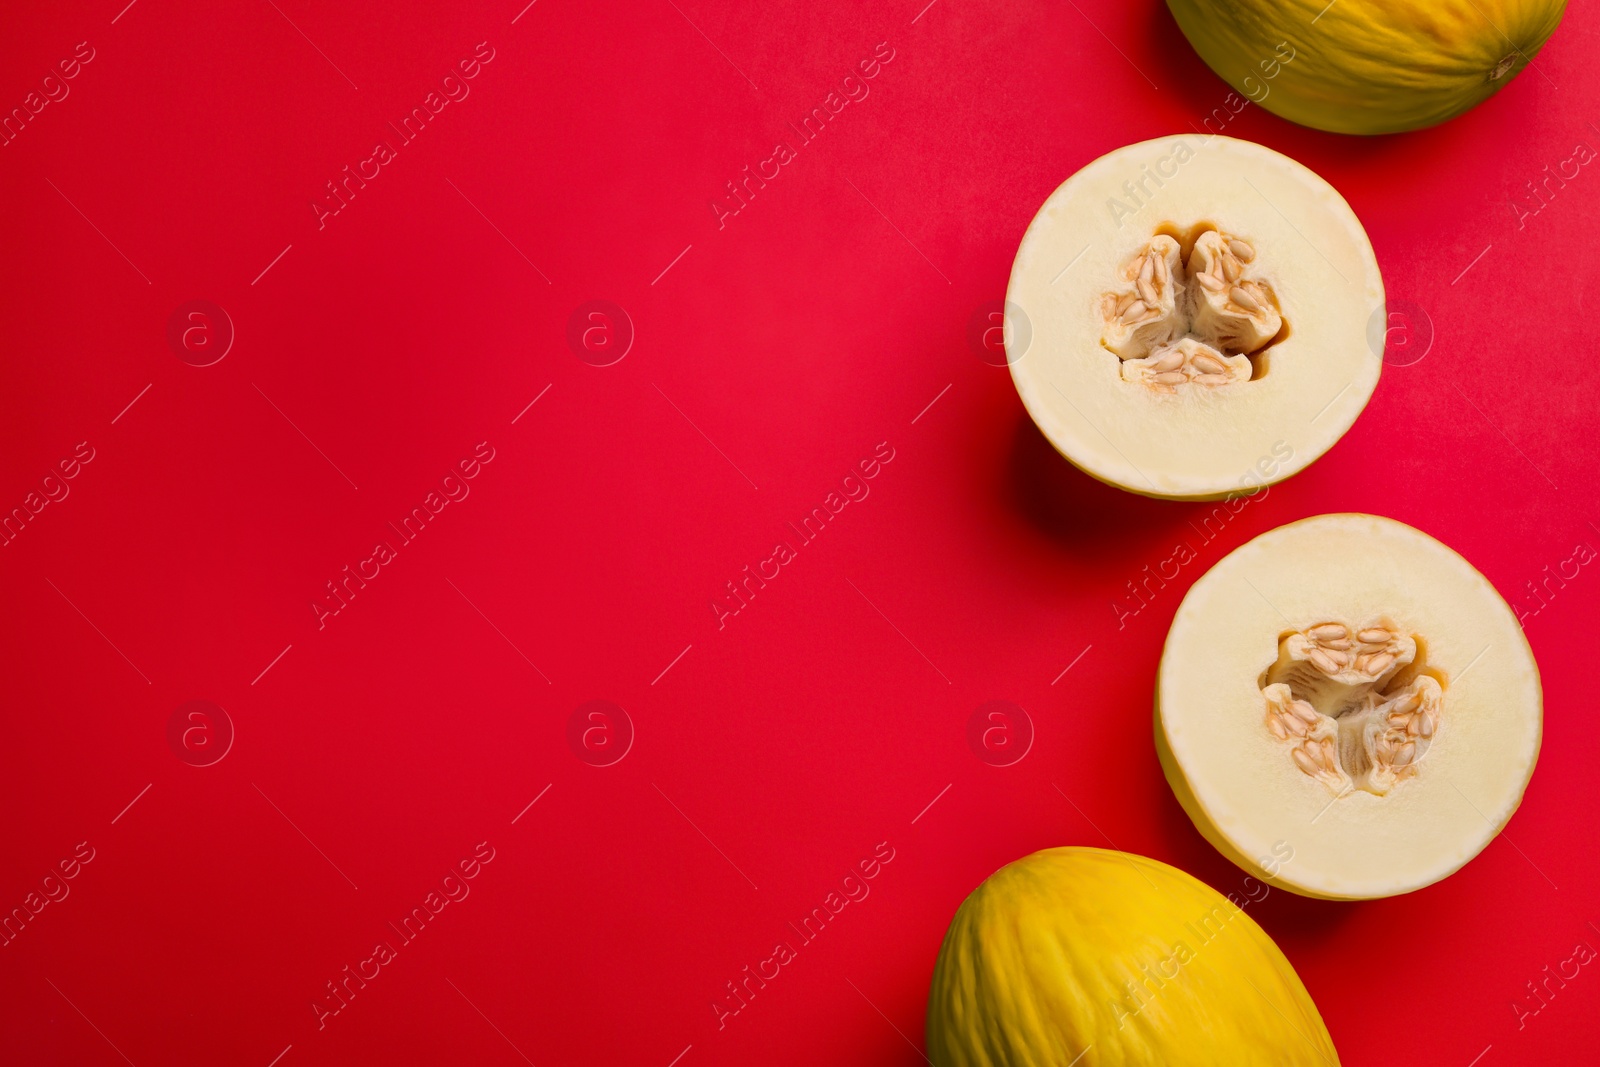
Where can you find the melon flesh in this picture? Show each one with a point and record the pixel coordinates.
(1346, 708)
(1367, 66)
(1199, 309)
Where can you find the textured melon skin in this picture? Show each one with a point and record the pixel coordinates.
(1035, 966)
(1368, 66)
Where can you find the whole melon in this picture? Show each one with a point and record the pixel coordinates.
(1092, 958)
(1367, 66)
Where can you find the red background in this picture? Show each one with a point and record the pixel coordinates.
(776, 352)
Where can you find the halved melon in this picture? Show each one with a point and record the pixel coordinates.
(1368, 66)
(1199, 311)
(1346, 708)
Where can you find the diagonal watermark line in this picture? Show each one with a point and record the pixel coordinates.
(532, 402)
(490, 1021)
(1504, 836)
(1471, 665)
(1324, 11)
(899, 631)
(1297, 229)
(501, 632)
(1102, 433)
(280, 1056)
(302, 433)
(1480, 1056)
(1474, 262)
(932, 402)
(1102, 833)
(890, 1021)
(132, 402)
(1346, 791)
(90, 1021)
(1314, 1046)
(1512, 43)
(1330, 403)
(1508, 440)
(531, 803)
(274, 263)
(499, 231)
(931, 803)
(101, 232)
(273, 664)
(1113, 44)
(713, 44)
(101, 632)
(131, 803)
(313, 44)
(523, 12)
(702, 433)
(710, 842)
(1073, 664)
(673, 664)
(897, 229)
(302, 833)
(680, 1056)
(674, 263)
(1269, 603)
(1068, 267)
(123, 12)
(924, 11)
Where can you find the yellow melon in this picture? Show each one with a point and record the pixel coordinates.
(1199, 315)
(1367, 66)
(1094, 958)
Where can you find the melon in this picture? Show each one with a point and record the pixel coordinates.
(1094, 958)
(1347, 708)
(1367, 66)
(1198, 314)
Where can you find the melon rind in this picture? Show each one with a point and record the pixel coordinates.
(1233, 777)
(1205, 443)
(1097, 958)
(1367, 66)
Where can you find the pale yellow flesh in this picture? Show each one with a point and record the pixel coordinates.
(1202, 442)
(1036, 970)
(1235, 778)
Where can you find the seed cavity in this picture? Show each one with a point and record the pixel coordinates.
(1207, 290)
(1353, 721)
(1187, 362)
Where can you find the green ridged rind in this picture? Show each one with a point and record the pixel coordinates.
(1367, 66)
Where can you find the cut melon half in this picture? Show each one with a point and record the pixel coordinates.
(1199, 310)
(1347, 709)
